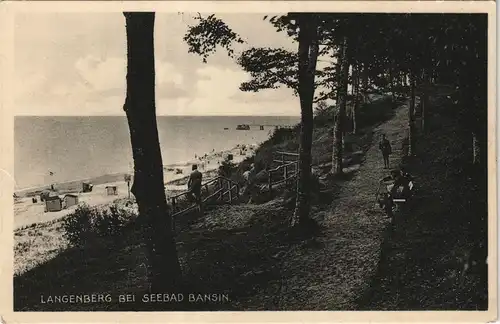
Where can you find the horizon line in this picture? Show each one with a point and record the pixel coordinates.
(158, 116)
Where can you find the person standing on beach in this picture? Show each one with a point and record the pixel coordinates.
(194, 185)
(386, 149)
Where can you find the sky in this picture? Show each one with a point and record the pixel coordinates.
(75, 64)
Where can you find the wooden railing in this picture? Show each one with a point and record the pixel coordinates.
(285, 157)
(220, 188)
(285, 172)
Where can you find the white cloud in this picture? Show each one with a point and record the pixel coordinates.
(102, 75)
(166, 73)
(219, 83)
(214, 95)
(76, 65)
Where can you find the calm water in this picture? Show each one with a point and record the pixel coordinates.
(81, 147)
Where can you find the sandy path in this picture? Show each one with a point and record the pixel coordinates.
(353, 234)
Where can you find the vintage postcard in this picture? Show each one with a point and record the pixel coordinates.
(270, 161)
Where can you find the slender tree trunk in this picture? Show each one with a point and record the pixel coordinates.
(402, 80)
(476, 149)
(344, 121)
(308, 54)
(469, 115)
(365, 78)
(147, 187)
(425, 97)
(356, 96)
(339, 122)
(391, 81)
(411, 114)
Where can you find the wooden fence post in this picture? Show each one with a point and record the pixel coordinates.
(282, 158)
(286, 174)
(172, 215)
(230, 196)
(221, 189)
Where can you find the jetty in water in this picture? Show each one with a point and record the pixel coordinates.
(261, 126)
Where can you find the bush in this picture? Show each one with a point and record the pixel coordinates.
(281, 135)
(110, 223)
(87, 223)
(78, 225)
(227, 168)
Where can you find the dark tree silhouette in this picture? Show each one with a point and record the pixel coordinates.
(338, 128)
(148, 188)
(308, 54)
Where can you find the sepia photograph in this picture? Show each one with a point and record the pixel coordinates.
(173, 161)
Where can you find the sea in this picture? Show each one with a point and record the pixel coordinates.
(59, 149)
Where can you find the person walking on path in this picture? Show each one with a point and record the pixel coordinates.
(249, 176)
(386, 149)
(194, 185)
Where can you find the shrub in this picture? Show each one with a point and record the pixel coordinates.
(227, 168)
(110, 223)
(78, 225)
(87, 223)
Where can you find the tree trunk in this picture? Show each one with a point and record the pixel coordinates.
(164, 270)
(411, 114)
(476, 149)
(425, 97)
(470, 111)
(365, 80)
(391, 80)
(356, 96)
(345, 129)
(308, 54)
(341, 104)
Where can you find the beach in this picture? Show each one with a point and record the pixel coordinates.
(68, 151)
(175, 178)
(60, 150)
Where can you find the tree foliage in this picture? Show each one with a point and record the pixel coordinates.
(210, 32)
(385, 49)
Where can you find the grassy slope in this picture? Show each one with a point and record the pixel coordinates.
(246, 252)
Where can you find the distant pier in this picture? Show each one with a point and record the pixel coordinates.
(261, 126)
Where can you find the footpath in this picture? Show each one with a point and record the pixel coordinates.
(346, 254)
(424, 255)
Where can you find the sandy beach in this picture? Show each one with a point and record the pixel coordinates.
(175, 177)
